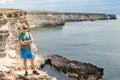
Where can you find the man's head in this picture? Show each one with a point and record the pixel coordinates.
(24, 28)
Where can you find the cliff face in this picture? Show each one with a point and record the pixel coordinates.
(10, 24)
(11, 66)
(84, 16)
(45, 18)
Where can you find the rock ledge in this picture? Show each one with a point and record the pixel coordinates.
(75, 69)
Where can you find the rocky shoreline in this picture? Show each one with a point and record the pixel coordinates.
(12, 69)
(75, 69)
(10, 62)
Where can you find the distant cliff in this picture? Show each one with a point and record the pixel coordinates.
(47, 18)
(87, 16)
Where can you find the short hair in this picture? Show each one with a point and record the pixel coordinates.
(24, 26)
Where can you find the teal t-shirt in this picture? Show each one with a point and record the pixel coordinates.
(24, 37)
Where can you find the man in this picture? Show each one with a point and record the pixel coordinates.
(25, 39)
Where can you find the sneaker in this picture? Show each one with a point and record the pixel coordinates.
(35, 72)
(26, 73)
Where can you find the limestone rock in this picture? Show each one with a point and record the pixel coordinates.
(45, 18)
(12, 69)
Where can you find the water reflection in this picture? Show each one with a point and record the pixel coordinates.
(48, 28)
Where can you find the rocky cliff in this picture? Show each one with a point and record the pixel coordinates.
(11, 67)
(11, 21)
(47, 18)
(44, 18)
(84, 16)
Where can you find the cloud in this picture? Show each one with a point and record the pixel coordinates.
(5, 1)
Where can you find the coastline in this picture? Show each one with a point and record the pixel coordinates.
(13, 68)
(49, 18)
(10, 23)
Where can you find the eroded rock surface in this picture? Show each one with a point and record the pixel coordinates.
(12, 69)
(11, 21)
(75, 69)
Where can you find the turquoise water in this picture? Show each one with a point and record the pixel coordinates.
(96, 42)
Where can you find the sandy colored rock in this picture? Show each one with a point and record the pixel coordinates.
(12, 69)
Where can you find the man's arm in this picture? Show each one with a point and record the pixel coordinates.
(22, 42)
(26, 42)
(29, 41)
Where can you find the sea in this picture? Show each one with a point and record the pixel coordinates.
(96, 42)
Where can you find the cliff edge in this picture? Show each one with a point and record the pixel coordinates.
(11, 67)
(49, 18)
(11, 21)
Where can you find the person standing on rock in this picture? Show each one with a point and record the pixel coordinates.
(25, 39)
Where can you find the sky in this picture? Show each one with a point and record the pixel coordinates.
(82, 6)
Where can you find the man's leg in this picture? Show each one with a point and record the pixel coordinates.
(32, 63)
(33, 66)
(25, 66)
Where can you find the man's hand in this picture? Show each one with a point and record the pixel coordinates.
(26, 42)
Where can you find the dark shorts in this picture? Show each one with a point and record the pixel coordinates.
(26, 54)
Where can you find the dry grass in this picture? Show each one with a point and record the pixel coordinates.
(9, 10)
(42, 11)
